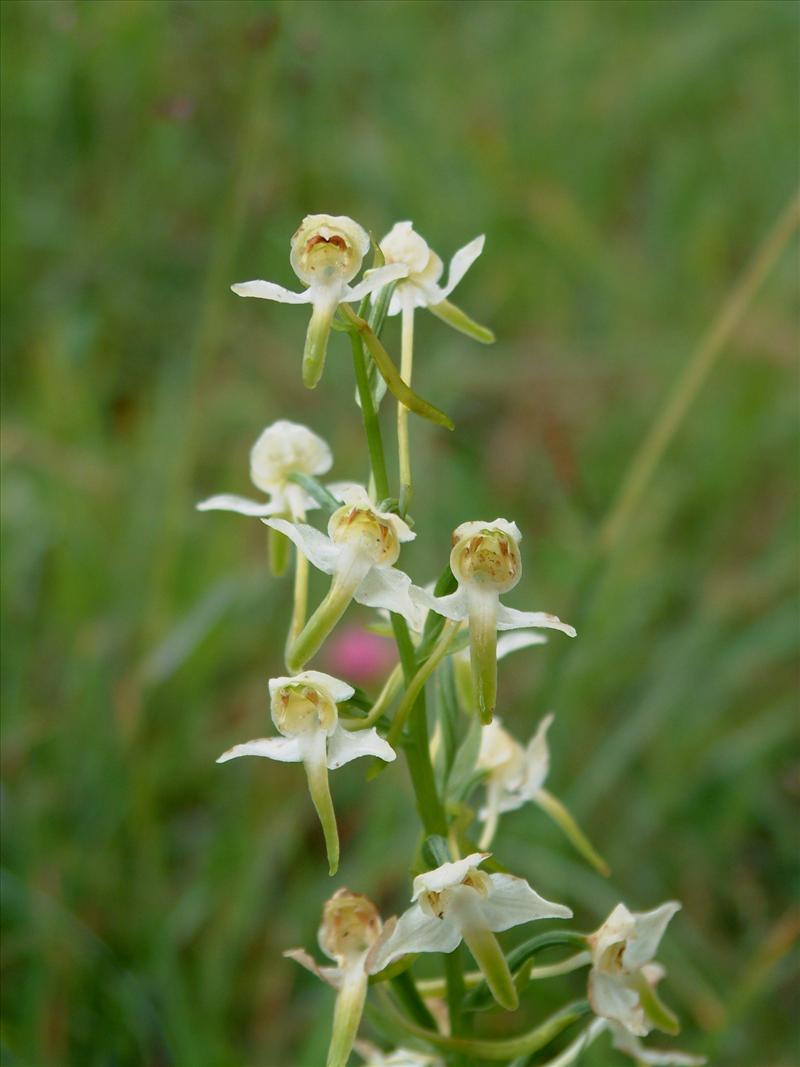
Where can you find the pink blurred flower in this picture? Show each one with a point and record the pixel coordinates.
(360, 656)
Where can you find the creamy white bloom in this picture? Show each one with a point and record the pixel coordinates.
(359, 552)
(516, 776)
(304, 711)
(456, 902)
(283, 449)
(327, 252)
(621, 981)
(420, 287)
(486, 562)
(350, 928)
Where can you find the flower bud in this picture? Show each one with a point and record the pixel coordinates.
(301, 709)
(350, 925)
(328, 248)
(367, 531)
(488, 557)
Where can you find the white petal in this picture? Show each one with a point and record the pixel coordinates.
(284, 749)
(537, 758)
(447, 875)
(462, 261)
(335, 687)
(612, 999)
(454, 606)
(476, 526)
(239, 504)
(388, 587)
(284, 448)
(648, 929)
(350, 493)
(625, 1042)
(511, 619)
(515, 641)
(315, 546)
(331, 975)
(344, 746)
(511, 901)
(271, 291)
(375, 279)
(415, 932)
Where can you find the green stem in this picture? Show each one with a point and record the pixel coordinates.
(403, 442)
(278, 552)
(415, 686)
(504, 1048)
(417, 749)
(454, 976)
(406, 992)
(384, 699)
(300, 601)
(372, 427)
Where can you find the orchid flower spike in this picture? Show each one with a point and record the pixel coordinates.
(515, 776)
(305, 714)
(420, 287)
(457, 901)
(360, 551)
(350, 927)
(622, 979)
(486, 562)
(283, 449)
(326, 253)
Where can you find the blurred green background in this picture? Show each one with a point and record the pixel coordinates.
(625, 160)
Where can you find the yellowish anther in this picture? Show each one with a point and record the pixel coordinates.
(364, 530)
(328, 247)
(301, 709)
(490, 559)
(350, 925)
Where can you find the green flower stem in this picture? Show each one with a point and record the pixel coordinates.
(566, 821)
(436, 987)
(406, 368)
(278, 552)
(407, 993)
(483, 651)
(333, 606)
(300, 602)
(417, 748)
(369, 415)
(454, 989)
(316, 766)
(417, 683)
(347, 1016)
(504, 1048)
(390, 690)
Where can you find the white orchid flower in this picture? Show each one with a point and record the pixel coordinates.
(486, 563)
(457, 901)
(516, 776)
(283, 449)
(360, 551)
(399, 1057)
(304, 711)
(350, 928)
(419, 287)
(622, 978)
(326, 253)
